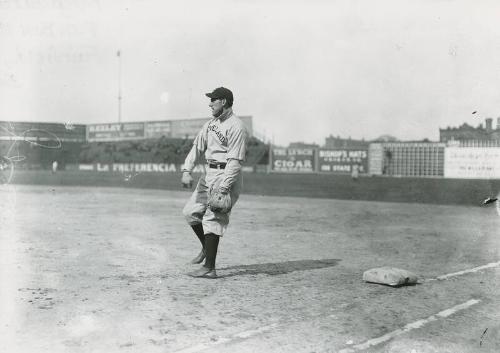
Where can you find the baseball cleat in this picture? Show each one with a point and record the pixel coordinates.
(199, 259)
(204, 273)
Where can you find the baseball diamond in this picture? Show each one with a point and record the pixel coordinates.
(100, 281)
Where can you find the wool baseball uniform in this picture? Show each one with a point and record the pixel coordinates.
(223, 140)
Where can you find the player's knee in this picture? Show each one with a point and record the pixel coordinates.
(191, 215)
(187, 212)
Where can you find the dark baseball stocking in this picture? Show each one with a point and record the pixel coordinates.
(211, 245)
(198, 229)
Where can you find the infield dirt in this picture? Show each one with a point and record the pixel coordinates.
(104, 270)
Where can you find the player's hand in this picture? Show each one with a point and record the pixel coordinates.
(187, 180)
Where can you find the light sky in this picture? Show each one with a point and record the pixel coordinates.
(302, 69)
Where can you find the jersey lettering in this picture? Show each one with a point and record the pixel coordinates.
(218, 133)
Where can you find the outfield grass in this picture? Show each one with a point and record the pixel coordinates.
(420, 190)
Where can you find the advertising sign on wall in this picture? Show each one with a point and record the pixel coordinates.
(183, 128)
(472, 162)
(114, 132)
(135, 167)
(342, 160)
(293, 160)
(158, 129)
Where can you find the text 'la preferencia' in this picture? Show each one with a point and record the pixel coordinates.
(136, 167)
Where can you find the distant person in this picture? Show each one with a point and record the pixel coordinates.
(355, 172)
(5, 168)
(54, 167)
(223, 140)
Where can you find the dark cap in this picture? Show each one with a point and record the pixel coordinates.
(221, 93)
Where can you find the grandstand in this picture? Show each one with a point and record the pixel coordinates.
(162, 150)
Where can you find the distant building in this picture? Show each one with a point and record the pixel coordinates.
(302, 145)
(466, 132)
(347, 143)
(385, 138)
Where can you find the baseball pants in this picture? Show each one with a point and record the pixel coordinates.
(196, 210)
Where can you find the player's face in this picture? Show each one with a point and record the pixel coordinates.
(217, 105)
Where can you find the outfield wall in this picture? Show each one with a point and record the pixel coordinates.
(413, 190)
(395, 159)
(133, 167)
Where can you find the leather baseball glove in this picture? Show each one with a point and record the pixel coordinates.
(219, 200)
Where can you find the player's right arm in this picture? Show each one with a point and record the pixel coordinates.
(191, 159)
(199, 147)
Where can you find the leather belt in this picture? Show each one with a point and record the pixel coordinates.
(217, 165)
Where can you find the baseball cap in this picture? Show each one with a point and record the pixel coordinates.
(221, 93)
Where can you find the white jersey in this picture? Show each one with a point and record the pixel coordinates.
(221, 140)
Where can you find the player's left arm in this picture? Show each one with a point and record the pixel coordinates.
(236, 151)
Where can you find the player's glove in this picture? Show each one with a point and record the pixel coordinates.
(187, 180)
(219, 199)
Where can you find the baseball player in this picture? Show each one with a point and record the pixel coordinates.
(223, 140)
